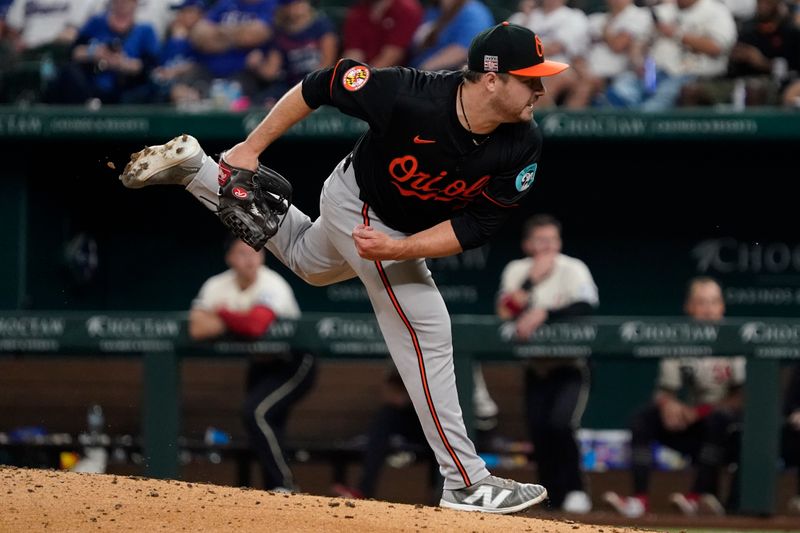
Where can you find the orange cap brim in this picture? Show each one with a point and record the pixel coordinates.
(545, 68)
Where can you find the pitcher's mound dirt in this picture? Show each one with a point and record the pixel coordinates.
(47, 500)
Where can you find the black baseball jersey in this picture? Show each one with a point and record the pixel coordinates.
(417, 166)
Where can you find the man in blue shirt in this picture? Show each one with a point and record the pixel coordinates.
(230, 30)
(442, 41)
(112, 58)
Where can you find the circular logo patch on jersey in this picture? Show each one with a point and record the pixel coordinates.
(525, 177)
(240, 193)
(355, 78)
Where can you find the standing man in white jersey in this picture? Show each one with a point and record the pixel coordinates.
(447, 157)
(243, 302)
(545, 286)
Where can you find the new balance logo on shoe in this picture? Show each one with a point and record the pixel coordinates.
(494, 495)
(485, 493)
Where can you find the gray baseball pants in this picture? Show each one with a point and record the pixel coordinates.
(410, 310)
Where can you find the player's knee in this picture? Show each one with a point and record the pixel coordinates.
(316, 281)
(322, 279)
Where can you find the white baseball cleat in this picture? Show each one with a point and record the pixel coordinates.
(794, 505)
(710, 505)
(628, 506)
(494, 495)
(173, 163)
(686, 505)
(577, 502)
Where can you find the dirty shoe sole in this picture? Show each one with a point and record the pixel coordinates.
(164, 164)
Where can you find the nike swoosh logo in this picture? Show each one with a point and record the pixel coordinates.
(417, 140)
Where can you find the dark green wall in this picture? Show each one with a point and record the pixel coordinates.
(644, 216)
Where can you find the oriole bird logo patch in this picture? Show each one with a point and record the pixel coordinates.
(355, 78)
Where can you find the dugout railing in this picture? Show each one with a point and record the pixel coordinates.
(161, 339)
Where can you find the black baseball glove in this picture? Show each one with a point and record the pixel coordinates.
(252, 204)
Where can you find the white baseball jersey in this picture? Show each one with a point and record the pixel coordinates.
(707, 18)
(270, 289)
(569, 283)
(565, 25)
(708, 379)
(41, 21)
(635, 21)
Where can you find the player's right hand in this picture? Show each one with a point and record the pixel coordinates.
(375, 245)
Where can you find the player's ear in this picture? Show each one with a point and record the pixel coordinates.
(490, 81)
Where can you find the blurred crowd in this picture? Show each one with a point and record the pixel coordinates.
(236, 54)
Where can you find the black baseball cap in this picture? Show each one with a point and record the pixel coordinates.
(512, 49)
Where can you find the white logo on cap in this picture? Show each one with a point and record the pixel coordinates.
(490, 64)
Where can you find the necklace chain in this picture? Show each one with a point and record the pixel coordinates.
(461, 102)
(463, 112)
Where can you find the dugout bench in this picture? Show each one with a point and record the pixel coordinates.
(162, 340)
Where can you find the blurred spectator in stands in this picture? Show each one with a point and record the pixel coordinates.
(5, 44)
(243, 302)
(442, 41)
(304, 41)
(112, 60)
(231, 30)
(178, 76)
(39, 26)
(702, 423)
(564, 32)
(546, 286)
(617, 40)
(379, 32)
(791, 432)
(396, 424)
(4, 5)
(37, 39)
(692, 41)
(156, 13)
(764, 61)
